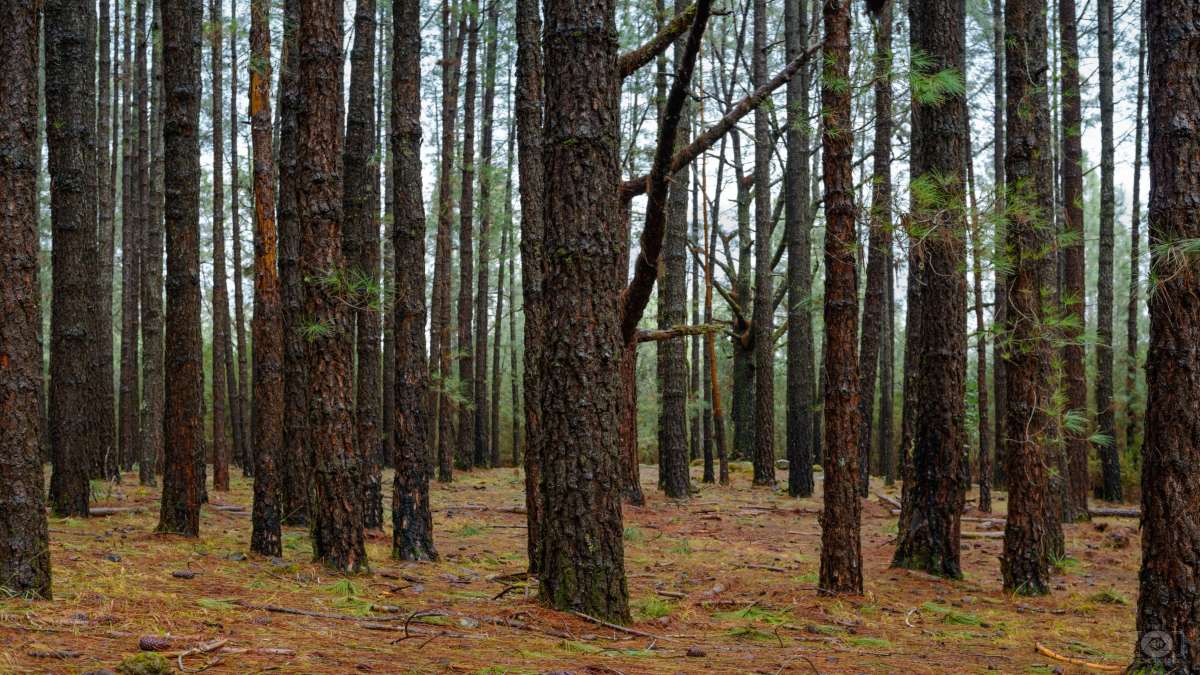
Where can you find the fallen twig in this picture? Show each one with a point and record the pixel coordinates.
(1046, 651)
(618, 627)
(1107, 512)
(201, 649)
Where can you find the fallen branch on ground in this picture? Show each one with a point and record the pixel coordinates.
(618, 627)
(1046, 651)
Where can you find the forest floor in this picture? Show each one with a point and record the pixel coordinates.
(724, 583)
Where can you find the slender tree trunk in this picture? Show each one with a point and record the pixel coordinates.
(879, 243)
(999, 300)
(743, 342)
(25, 552)
(695, 403)
(183, 366)
(147, 450)
(1073, 264)
(981, 387)
(1029, 283)
(841, 552)
(337, 525)
(490, 456)
(106, 131)
(506, 253)
(221, 362)
(412, 521)
(1110, 461)
(152, 324)
(294, 462)
(512, 316)
(1135, 258)
(239, 397)
(127, 413)
(70, 45)
(799, 271)
(465, 456)
(887, 379)
(267, 326)
(581, 549)
(389, 256)
(1168, 601)
(764, 295)
(360, 242)
(529, 106)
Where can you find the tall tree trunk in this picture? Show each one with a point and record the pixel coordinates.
(512, 317)
(581, 549)
(1073, 264)
(221, 361)
(412, 521)
(879, 242)
(25, 552)
(799, 271)
(929, 539)
(999, 300)
(106, 132)
(743, 333)
(360, 242)
(672, 311)
(981, 377)
(1168, 601)
(293, 464)
(239, 395)
(267, 326)
(764, 295)
(506, 254)
(147, 451)
(1135, 257)
(465, 456)
(841, 552)
(887, 379)
(1110, 461)
(695, 402)
(336, 519)
(152, 324)
(389, 256)
(183, 420)
(130, 256)
(70, 46)
(489, 455)
(1029, 283)
(529, 107)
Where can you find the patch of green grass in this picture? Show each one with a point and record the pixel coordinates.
(823, 629)
(750, 633)
(684, 547)
(754, 614)
(870, 642)
(1109, 597)
(952, 616)
(470, 530)
(215, 605)
(809, 578)
(632, 534)
(354, 606)
(343, 587)
(652, 607)
(293, 541)
(1065, 564)
(577, 647)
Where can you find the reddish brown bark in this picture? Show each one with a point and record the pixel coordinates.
(221, 361)
(764, 301)
(24, 544)
(465, 457)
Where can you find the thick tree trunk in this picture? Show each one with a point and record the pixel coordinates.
(360, 243)
(879, 242)
(293, 463)
(489, 453)
(1110, 461)
(412, 521)
(764, 294)
(529, 107)
(1073, 265)
(1029, 532)
(841, 552)
(465, 457)
(25, 551)
(222, 371)
(70, 45)
(929, 538)
(336, 519)
(1169, 598)
(266, 329)
(182, 423)
(799, 270)
(1135, 258)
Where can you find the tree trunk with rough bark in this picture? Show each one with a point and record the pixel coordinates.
(1135, 257)
(465, 457)
(841, 548)
(1110, 461)
(106, 131)
(483, 448)
(999, 301)
(764, 294)
(222, 370)
(25, 551)
(130, 435)
(239, 396)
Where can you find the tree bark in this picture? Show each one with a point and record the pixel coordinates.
(360, 242)
(146, 450)
(999, 301)
(412, 521)
(887, 380)
(25, 551)
(293, 463)
(1028, 534)
(182, 424)
(799, 271)
(152, 279)
(130, 434)
(266, 329)
(581, 550)
(1110, 462)
(222, 371)
(239, 403)
(336, 519)
(506, 238)
(389, 254)
(841, 552)
(70, 44)
(465, 456)
(764, 294)
(1073, 264)
(981, 377)
(929, 533)
(1168, 598)
(1135, 257)
(106, 132)
(743, 343)
(483, 447)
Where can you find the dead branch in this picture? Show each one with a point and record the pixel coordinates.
(678, 331)
(629, 62)
(1046, 651)
(1104, 512)
(618, 627)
